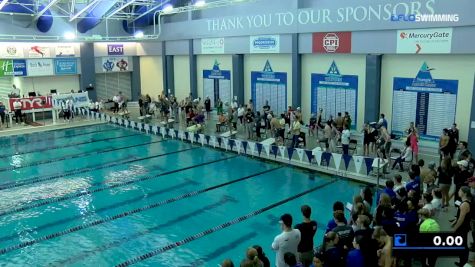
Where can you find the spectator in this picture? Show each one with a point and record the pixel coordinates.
(317, 261)
(258, 125)
(461, 177)
(436, 201)
(312, 125)
(463, 146)
(444, 146)
(241, 111)
(384, 215)
(386, 139)
(287, 241)
(262, 256)
(388, 190)
(347, 120)
(428, 225)
(414, 141)
(344, 232)
(413, 184)
(307, 229)
(355, 256)
(398, 182)
(471, 184)
(227, 263)
(208, 108)
(331, 251)
(367, 195)
(454, 139)
(291, 260)
(249, 118)
(339, 122)
(337, 206)
(461, 223)
(384, 253)
(295, 130)
(252, 259)
(428, 179)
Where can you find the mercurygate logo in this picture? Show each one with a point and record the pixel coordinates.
(425, 18)
(429, 36)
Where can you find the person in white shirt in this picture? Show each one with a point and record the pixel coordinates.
(15, 91)
(17, 108)
(345, 139)
(287, 241)
(406, 156)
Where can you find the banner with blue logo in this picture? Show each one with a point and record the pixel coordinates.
(265, 44)
(19, 67)
(429, 103)
(217, 84)
(269, 86)
(65, 66)
(335, 93)
(79, 99)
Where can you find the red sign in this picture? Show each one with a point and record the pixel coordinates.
(331, 42)
(38, 102)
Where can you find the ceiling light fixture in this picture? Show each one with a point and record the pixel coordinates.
(139, 34)
(200, 3)
(69, 35)
(167, 8)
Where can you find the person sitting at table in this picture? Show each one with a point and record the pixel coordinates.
(406, 156)
(222, 120)
(17, 108)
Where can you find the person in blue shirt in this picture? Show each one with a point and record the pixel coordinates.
(388, 190)
(355, 257)
(414, 183)
(382, 121)
(337, 206)
(291, 260)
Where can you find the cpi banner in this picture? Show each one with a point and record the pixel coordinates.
(32, 103)
(79, 99)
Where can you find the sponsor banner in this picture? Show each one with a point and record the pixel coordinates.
(30, 103)
(425, 41)
(12, 67)
(11, 51)
(36, 51)
(79, 99)
(65, 66)
(115, 49)
(212, 46)
(264, 44)
(65, 51)
(113, 64)
(331, 42)
(40, 67)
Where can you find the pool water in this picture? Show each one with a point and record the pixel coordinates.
(102, 196)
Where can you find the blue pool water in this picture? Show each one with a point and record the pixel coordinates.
(100, 196)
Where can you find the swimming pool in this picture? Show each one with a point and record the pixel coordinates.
(104, 196)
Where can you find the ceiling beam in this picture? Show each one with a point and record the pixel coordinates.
(48, 6)
(93, 2)
(3, 3)
(152, 9)
(121, 8)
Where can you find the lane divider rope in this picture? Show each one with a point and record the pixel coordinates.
(65, 146)
(217, 228)
(100, 189)
(128, 213)
(38, 179)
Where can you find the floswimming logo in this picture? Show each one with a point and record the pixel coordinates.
(425, 18)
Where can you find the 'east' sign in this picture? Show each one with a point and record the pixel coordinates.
(115, 49)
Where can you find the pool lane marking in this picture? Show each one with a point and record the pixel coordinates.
(72, 156)
(131, 212)
(186, 182)
(75, 258)
(218, 227)
(100, 189)
(68, 145)
(87, 169)
(40, 133)
(54, 138)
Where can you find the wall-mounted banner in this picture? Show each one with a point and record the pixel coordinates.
(65, 66)
(79, 99)
(270, 86)
(217, 84)
(30, 103)
(36, 51)
(331, 42)
(429, 103)
(65, 51)
(115, 49)
(12, 67)
(424, 41)
(40, 67)
(335, 93)
(113, 64)
(212, 46)
(11, 51)
(264, 44)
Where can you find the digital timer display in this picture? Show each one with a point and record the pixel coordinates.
(443, 244)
